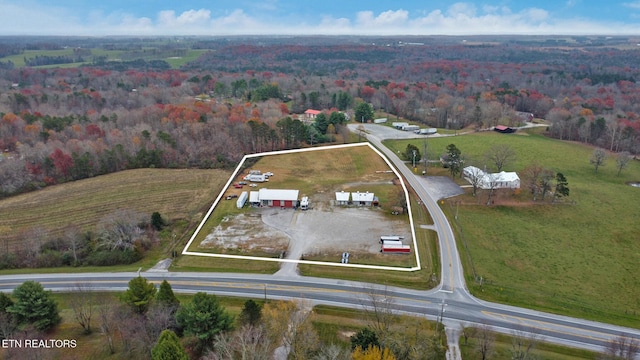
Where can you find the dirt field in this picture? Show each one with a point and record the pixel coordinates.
(321, 230)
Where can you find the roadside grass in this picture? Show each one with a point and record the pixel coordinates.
(502, 347)
(569, 257)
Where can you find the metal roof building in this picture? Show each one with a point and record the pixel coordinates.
(278, 197)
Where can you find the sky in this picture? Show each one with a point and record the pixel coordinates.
(325, 17)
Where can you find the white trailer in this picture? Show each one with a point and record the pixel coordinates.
(429, 131)
(242, 199)
(380, 121)
(391, 242)
(410, 128)
(390, 237)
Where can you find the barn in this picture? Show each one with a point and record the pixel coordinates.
(278, 197)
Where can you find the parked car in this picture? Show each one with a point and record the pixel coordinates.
(237, 186)
(232, 196)
(242, 183)
(253, 185)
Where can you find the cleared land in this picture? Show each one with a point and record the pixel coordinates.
(323, 232)
(578, 259)
(175, 194)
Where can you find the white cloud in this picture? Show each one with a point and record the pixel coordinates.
(458, 19)
(632, 5)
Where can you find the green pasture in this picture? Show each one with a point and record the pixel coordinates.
(111, 55)
(578, 257)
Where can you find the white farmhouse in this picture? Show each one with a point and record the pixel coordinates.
(487, 181)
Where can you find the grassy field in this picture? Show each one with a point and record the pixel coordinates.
(112, 55)
(175, 194)
(503, 344)
(577, 258)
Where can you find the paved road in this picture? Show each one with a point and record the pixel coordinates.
(559, 329)
(460, 307)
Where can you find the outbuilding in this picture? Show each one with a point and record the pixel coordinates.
(254, 198)
(342, 198)
(278, 197)
(362, 199)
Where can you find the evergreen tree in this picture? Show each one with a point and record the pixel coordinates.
(364, 339)
(139, 295)
(453, 160)
(166, 297)
(251, 313)
(169, 348)
(409, 154)
(203, 318)
(364, 111)
(562, 186)
(156, 221)
(33, 305)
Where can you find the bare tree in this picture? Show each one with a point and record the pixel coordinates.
(289, 324)
(546, 181)
(332, 352)
(501, 155)
(378, 308)
(622, 161)
(597, 158)
(248, 343)
(485, 341)
(491, 182)
(474, 176)
(120, 230)
(106, 309)
(531, 177)
(82, 304)
(522, 342)
(622, 348)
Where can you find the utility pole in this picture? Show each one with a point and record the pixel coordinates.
(414, 159)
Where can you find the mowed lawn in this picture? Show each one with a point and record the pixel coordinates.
(579, 259)
(175, 194)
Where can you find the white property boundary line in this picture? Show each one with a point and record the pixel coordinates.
(281, 152)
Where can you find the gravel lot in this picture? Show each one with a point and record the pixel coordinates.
(321, 230)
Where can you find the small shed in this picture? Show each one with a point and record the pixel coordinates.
(362, 199)
(278, 197)
(342, 198)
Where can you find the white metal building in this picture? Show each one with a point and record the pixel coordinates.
(342, 198)
(254, 198)
(364, 199)
(278, 197)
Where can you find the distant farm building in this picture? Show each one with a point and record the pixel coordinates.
(311, 114)
(504, 129)
(278, 197)
(486, 181)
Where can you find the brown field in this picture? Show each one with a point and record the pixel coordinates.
(175, 194)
